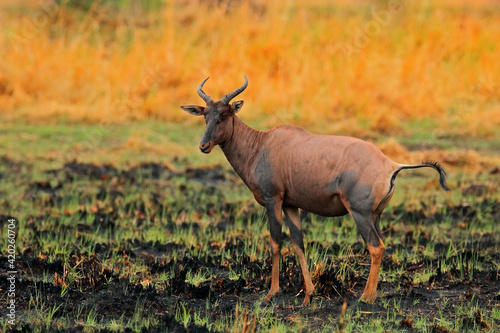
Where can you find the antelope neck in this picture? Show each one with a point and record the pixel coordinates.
(242, 147)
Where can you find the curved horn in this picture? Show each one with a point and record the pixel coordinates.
(202, 94)
(227, 98)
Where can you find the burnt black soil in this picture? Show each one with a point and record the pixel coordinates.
(98, 278)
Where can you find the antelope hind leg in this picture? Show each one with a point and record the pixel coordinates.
(368, 228)
(376, 254)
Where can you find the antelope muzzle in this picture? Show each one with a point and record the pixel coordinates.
(207, 147)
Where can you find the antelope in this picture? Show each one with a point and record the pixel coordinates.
(287, 169)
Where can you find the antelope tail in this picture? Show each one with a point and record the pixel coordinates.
(429, 164)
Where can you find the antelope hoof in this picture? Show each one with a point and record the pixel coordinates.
(266, 300)
(307, 300)
(264, 303)
(368, 298)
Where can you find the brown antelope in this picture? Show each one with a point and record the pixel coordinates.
(288, 168)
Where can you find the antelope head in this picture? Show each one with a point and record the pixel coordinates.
(218, 116)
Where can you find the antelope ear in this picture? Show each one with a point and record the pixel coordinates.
(195, 110)
(236, 106)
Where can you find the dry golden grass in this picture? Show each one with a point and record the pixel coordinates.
(316, 63)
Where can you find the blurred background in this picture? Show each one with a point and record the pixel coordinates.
(102, 80)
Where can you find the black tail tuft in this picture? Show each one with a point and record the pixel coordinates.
(442, 173)
(436, 165)
(431, 164)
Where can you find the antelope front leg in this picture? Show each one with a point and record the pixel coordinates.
(275, 224)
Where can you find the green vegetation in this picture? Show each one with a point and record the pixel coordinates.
(190, 247)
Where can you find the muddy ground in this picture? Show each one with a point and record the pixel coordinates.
(100, 201)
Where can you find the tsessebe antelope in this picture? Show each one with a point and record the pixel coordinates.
(288, 168)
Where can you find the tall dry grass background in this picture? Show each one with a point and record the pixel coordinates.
(331, 66)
